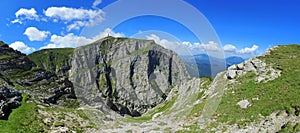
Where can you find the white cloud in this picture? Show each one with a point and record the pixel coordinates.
(253, 50)
(17, 21)
(23, 14)
(96, 3)
(107, 32)
(76, 25)
(187, 44)
(210, 46)
(163, 42)
(36, 35)
(51, 45)
(20, 46)
(174, 46)
(230, 48)
(82, 17)
(71, 40)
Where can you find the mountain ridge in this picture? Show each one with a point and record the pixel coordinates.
(249, 90)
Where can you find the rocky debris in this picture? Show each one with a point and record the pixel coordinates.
(9, 99)
(64, 121)
(264, 72)
(244, 103)
(130, 76)
(61, 130)
(272, 123)
(268, 52)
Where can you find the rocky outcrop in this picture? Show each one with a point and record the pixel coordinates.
(57, 61)
(9, 99)
(129, 76)
(263, 71)
(19, 72)
(275, 122)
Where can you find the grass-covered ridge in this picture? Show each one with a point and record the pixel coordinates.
(265, 98)
(52, 59)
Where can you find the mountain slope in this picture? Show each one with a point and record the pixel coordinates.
(258, 95)
(128, 76)
(261, 94)
(137, 77)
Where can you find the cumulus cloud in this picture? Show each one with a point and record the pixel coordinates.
(20, 46)
(96, 3)
(23, 14)
(82, 17)
(107, 32)
(211, 46)
(230, 48)
(71, 40)
(175, 46)
(34, 34)
(163, 42)
(252, 50)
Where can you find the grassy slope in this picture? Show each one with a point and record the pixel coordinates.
(22, 119)
(279, 94)
(51, 59)
(27, 119)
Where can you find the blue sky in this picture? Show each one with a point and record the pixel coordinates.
(244, 28)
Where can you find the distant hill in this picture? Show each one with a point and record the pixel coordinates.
(233, 60)
(201, 65)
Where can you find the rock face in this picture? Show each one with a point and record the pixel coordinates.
(19, 72)
(9, 99)
(130, 76)
(264, 73)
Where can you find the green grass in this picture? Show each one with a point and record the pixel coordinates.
(7, 57)
(279, 94)
(26, 119)
(23, 119)
(24, 73)
(52, 59)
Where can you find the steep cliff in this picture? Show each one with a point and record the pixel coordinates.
(18, 72)
(128, 76)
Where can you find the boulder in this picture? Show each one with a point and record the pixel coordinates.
(244, 104)
(9, 99)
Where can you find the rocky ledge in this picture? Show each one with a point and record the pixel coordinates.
(263, 71)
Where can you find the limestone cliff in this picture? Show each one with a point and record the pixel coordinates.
(18, 72)
(128, 76)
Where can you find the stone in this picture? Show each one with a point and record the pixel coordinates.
(244, 104)
(9, 99)
(264, 73)
(231, 74)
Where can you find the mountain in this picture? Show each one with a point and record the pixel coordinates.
(131, 85)
(18, 74)
(233, 60)
(201, 65)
